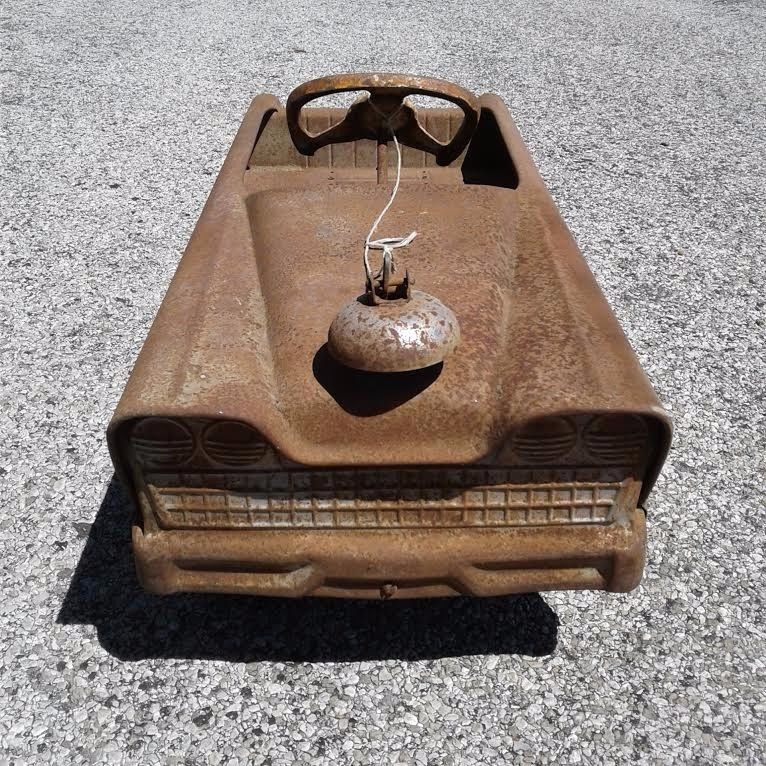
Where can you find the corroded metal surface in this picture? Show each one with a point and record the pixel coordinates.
(394, 336)
(383, 113)
(419, 562)
(259, 464)
(384, 499)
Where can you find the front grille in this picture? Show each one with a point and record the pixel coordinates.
(368, 499)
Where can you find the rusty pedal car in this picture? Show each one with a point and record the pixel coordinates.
(262, 461)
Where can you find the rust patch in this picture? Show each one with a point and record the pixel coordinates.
(395, 335)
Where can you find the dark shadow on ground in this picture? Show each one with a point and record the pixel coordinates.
(134, 625)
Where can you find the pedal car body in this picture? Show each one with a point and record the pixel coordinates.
(260, 464)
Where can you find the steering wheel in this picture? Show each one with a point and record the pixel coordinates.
(384, 113)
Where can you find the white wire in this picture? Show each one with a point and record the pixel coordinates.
(386, 244)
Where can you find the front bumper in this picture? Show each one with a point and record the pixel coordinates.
(394, 563)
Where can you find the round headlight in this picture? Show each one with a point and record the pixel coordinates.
(161, 442)
(616, 438)
(544, 440)
(234, 444)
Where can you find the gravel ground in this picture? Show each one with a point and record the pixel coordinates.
(647, 120)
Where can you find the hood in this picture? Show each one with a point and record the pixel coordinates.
(242, 331)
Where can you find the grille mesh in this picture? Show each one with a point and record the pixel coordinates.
(370, 499)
